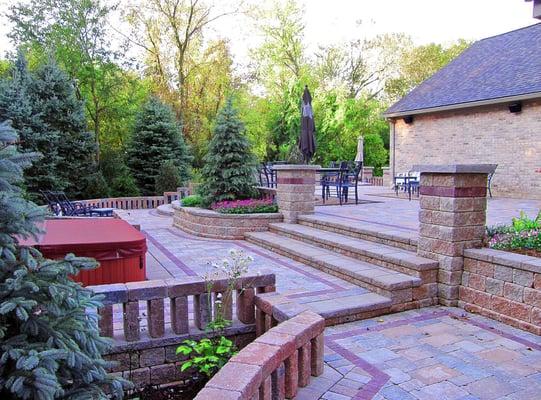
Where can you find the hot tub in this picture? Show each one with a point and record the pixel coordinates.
(115, 244)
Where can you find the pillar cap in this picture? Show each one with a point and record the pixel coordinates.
(295, 167)
(455, 168)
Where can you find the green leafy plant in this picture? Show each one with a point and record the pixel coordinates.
(210, 354)
(524, 223)
(207, 356)
(192, 201)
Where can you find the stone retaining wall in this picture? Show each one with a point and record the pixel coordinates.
(288, 350)
(503, 286)
(211, 224)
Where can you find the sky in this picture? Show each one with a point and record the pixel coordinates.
(334, 21)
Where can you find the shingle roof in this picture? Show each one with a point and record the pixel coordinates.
(496, 67)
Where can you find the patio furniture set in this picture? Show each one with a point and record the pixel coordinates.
(335, 180)
(60, 205)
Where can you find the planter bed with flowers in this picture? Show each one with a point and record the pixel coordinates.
(226, 220)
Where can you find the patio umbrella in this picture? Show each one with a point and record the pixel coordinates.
(359, 158)
(307, 141)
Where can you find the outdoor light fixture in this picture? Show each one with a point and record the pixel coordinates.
(515, 107)
(408, 119)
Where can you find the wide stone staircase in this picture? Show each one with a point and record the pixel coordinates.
(378, 258)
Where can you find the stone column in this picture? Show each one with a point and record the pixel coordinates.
(387, 179)
(295, 192)
(368, 173)
(452, 218)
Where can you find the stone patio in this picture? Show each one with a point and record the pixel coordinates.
(432, 353)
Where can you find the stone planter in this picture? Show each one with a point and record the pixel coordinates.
(211, 224)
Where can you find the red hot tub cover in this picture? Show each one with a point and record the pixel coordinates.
(109, 241)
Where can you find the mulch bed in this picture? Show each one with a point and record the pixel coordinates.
(526, 252)
(176, 392)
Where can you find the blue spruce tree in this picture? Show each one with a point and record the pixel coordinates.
(50, 347)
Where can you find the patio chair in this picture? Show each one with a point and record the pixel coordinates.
(76, 208)
(350, 178)
(51, 201)
(489, 183)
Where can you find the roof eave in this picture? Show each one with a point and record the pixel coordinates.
(458, 106)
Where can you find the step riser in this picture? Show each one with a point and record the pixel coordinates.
(427, 276)
(420, 296)
(358, 235)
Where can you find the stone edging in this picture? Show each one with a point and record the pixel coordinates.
(211, 224)
(278, 361)
(506, 258)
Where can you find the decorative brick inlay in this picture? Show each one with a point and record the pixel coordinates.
(444, 191)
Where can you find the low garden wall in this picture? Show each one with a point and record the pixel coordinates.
(211, 224)
(148, 320)
(503, 286)
(288, 350)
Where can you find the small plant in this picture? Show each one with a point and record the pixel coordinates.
(524, 223)
(191, 201)
(208, 355)
(248, 206)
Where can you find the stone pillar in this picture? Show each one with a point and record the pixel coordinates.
(368, 173)
(295, 192)
(452, 218)
(387, 179)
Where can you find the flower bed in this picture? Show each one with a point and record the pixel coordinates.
(522, 236)
(213, 224)
(248, 206)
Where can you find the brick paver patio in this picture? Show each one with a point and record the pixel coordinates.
(433, 353)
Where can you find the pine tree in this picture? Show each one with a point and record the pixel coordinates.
(50, 346)
(17, 104)
(63, 114)
(228, 173)
(156, 138)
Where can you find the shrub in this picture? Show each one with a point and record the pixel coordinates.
(248, 206)
(192, 201)
(50, 346)
(229, 171)
(168, 178)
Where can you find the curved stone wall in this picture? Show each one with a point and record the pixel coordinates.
(211, 224)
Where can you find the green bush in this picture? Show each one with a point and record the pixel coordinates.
(272, 208)
(168, 178)
(192, 201)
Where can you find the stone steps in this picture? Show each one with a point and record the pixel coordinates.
(404, 291)
(346, 307)
(387, 235)
(390, 257)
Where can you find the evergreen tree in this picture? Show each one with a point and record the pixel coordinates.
(168, 178)
(18, 104)
(228, 173)
(156, 138)
(50, 346)
(117, 174)
(63, 115)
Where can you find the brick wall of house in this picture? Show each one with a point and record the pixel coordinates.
(489, 134)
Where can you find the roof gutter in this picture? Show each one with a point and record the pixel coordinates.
(470, 104)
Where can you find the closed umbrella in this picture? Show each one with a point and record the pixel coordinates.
(359, 158)
(307, 141)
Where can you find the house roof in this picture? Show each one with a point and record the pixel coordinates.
(501, 68)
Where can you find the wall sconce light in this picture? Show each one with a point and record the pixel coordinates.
(515, 107)
(408, 119)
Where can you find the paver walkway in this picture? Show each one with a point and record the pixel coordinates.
(434, 353)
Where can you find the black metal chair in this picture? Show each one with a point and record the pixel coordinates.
(489, 183)
(350, 178)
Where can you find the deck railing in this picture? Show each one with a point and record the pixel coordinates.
(148, 297)
(288, 350)
(133, 203)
